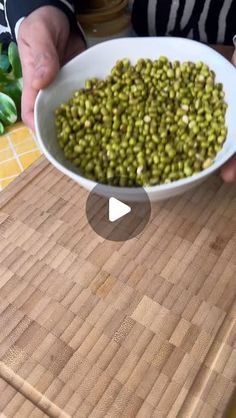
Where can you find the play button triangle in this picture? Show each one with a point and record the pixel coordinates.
(117, 209)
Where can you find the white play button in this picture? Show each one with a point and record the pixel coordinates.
(113, 215)
(117, 209)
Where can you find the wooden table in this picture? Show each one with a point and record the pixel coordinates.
(94, 328)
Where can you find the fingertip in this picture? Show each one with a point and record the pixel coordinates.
(228, 174)
(234, 58)
(44, 76)
(38, 84)
(41, 79)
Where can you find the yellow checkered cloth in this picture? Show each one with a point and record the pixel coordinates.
(18, 150)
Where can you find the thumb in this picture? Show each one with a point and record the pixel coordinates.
(46, 65)
(39, 53)
(40, 63)
(41, 40)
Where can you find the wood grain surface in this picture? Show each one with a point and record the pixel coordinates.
(95, 328)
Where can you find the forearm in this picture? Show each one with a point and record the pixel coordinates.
(15, 12)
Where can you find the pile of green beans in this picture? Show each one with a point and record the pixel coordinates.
(145, 124)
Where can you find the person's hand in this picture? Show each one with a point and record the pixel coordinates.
(45, 44)
(228, 171)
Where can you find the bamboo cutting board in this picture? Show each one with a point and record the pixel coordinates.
(94, 328)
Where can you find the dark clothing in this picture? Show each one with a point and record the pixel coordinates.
(211, 21)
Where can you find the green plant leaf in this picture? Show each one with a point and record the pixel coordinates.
(14, 60)
(1, 128)
(4, 62)
(10, 85)
(3, 76)
(8, 111)
(14, 90)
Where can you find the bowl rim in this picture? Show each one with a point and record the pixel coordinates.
(149, 189)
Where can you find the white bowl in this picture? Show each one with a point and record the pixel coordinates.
(97, 62)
